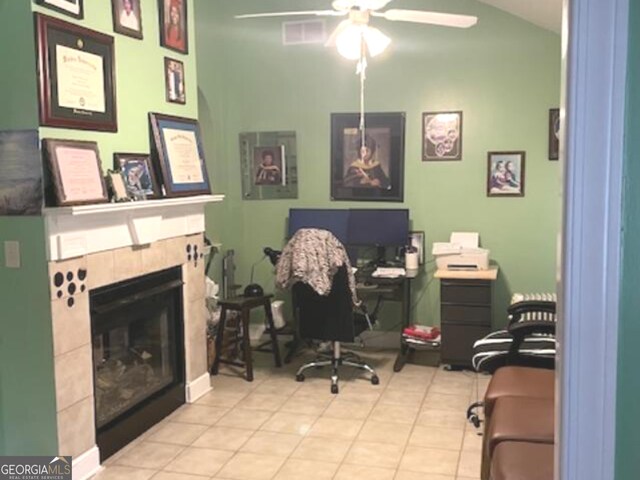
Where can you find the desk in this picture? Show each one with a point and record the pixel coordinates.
(465, 312)
(393, 289)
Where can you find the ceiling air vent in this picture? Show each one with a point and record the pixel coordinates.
(304, 32)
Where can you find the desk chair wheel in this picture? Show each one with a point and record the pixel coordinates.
(375, 380)
(300, 377)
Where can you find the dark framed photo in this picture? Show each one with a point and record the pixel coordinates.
(75, 172)
(76, 76)
(174, 81)
(127, 17)
(73, 8)
(117, 187)
(369, 165)
(21, 187)
(173, 25)
(505, 174)
(179, 154)
(554, 133)
(269, 166)
(441, 136)
(416, 240)
(137, 172)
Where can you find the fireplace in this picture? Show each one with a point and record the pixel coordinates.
(138, 356)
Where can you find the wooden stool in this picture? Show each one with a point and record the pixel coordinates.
(244, 305)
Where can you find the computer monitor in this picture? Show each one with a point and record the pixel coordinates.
(336, 221)
(378, 227)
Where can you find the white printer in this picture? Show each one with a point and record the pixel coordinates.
(461, 253)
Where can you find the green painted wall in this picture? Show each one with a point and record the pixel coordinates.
(504, 74)
(628, 426)
(27, 399)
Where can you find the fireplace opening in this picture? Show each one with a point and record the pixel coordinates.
(138, 356)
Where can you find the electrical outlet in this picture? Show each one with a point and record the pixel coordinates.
(12, 254)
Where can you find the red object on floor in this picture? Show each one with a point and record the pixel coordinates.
(425, 333)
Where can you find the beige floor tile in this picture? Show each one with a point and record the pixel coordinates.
(360, 392)
(278, 386)
(223, 438)
(448, 388)
(322, 449)
(115, 472)
(401, 397)
(441, 418)
(336, 428)
(436, 437)
(222, 398)
(244, 418)
(430, 460)
(469, 465)
(348, 410)
(285, 422)
(269, 443)
(306, 405)
(394, 413)
(408, 384)
(177, 476)
(441, 401)
(472, 441)
(383, 455)
(150, 455)
(358, 472)
(198, 414)
(250, 466)
(296, 469)
(382, 432)
(178, 433)
(467, 478)
(263, 401)
(405, 475)
(199, 461)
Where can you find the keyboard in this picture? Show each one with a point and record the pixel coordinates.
(389, 272)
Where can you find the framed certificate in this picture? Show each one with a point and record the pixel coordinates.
(74, 8)
(177, 149)
(75, 172)
(76, 76)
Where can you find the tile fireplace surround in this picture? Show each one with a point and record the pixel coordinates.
(96, 245)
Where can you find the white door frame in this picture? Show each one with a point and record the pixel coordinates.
(594, 60)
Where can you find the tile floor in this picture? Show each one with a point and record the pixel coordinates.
(410, 427)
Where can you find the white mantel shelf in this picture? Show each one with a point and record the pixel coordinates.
(81, 230)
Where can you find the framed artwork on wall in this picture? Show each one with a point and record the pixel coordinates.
(127, 17)
(21, 190)
(369, 166)
(75, 172)
(441, 136)
(173, 25)
(174, 81)
(505, 174)
(73, 8)
(76, 76)
(138, 174)
(179, 154)
(554, 133)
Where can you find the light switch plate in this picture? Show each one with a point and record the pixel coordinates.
(12, 254)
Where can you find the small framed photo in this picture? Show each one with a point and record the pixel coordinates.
(73, 8)
(173, 25)
(179, 154)
(441, 136)
(554, 133)
(127, 17)
(367, 167)
(268, 165)
(119, 192)
(75, 172)
(416, 240)
(174, 81)
(138, 174)
(505, 174)
(76, 76)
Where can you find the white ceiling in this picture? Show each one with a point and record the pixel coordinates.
(544, 13)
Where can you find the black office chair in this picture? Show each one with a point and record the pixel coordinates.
(331, 318)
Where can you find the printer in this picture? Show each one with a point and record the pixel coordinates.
(462, 252)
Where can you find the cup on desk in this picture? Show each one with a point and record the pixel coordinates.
(411, 260)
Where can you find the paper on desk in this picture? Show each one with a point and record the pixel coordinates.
(466, 239)
(444, 248)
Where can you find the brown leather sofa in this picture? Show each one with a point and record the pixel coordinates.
(519, 425)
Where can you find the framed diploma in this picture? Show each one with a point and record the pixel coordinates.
(73, 8)
(177, 149)
(76, 76)
(75, 172)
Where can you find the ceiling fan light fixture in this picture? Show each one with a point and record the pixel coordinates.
(377, 42)
(349, 41)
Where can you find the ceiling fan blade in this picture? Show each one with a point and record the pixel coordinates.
(433, 18)
(319, 13)
(342, 26)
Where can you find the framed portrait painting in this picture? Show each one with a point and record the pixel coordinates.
(137, 172)
(127, 17)
(441, 136)
(173, 25)
(174, 81)
(505, 174)
(73, 8)
(369, 165)
(178, 152)
(554, 133)
(76, 76)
